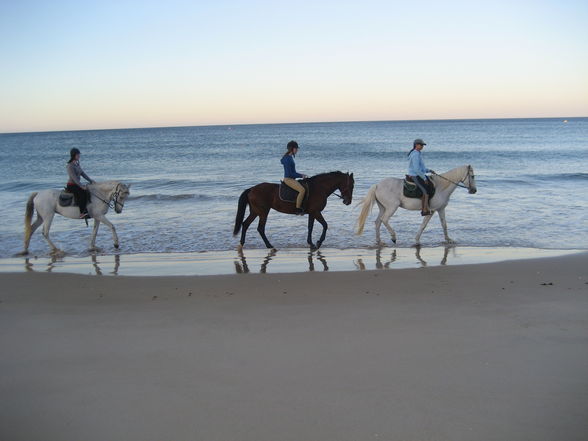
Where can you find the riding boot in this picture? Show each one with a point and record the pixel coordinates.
(425, 211)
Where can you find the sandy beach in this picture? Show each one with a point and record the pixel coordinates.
(494, 351)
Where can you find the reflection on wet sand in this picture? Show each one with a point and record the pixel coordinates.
(51, 265)
(385, 264)
(262, 261)
(320, 258)
(242, 267)
(446, 249)
(97, 268)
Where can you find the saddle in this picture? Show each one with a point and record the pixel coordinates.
(288, 194)
(410, 189)
(67, 199)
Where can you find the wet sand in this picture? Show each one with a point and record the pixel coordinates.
(493, 351)
(292, 260)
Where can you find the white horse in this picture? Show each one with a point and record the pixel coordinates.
(389, 196)
(104, 195)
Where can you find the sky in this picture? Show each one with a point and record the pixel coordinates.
(74, 65)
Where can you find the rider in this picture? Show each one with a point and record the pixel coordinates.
(290, 174)
(417, 171)
(74, 185)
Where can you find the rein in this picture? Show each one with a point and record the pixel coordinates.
(114, 197)
(459, 183)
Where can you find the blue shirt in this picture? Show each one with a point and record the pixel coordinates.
(416, 166)
(289, 167)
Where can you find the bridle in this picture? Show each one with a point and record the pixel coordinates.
(459, 183)
(346, 187)
(113, 201)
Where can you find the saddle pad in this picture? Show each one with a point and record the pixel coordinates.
(66, 199)
(288, 194)
(410, 190)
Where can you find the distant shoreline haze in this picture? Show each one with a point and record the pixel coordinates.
(562, 118)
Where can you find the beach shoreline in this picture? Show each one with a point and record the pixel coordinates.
(457, 352)
(290, 260)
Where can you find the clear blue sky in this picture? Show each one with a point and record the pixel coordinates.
(77, 65)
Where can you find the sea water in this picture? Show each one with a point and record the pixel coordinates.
(185, 182)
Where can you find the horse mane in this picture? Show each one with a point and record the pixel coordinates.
(450, 174)
(327, 174)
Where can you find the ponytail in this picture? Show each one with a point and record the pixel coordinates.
(291, 146)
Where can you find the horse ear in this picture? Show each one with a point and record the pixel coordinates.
(128, 185)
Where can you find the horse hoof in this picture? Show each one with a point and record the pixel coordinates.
(116, 246)
(239, 247)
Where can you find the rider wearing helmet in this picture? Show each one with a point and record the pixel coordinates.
(417, 171)
(290, 174)
(74, 185)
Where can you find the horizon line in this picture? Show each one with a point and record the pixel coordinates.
(290, 123)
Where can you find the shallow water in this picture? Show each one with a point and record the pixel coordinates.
(186, 182)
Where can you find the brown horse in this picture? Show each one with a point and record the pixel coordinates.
(263, 197)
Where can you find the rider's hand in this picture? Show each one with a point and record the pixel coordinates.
(304, 176)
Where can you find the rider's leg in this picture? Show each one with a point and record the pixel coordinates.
(294, 184)
(425, 198)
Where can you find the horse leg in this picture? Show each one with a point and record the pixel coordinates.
(386, 217)
(46, 228)
(310, 228)
(109, 225)
(261, 230)
(323, 222)
(378, 222)
(441, 212)
(94, 233)
(244, 227)
(28, 235)
(426, 220)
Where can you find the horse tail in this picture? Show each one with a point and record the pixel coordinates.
(243, 202)
(29, 217)
(368, 203)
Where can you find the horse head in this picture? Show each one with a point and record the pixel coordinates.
(119, 194)
(346, 188)
(470, 180)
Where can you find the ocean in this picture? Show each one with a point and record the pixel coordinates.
(185, 182)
